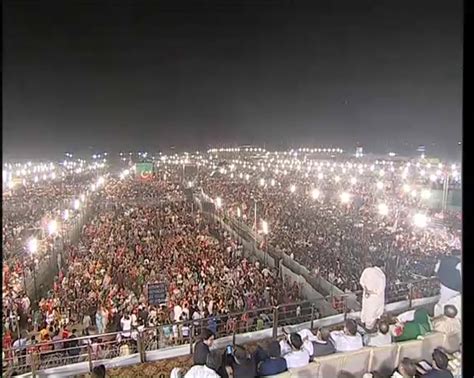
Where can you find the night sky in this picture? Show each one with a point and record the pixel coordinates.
(93, 75)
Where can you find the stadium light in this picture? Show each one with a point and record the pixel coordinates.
(406, 188)
(353, 180)
(264, 227)
(345, 197)
(33, 245)
(420, 220)
(218, 202)
(337, 179)
(315, 194)
(272, 182)
(52, 227)
(383, 209)
(380, 185)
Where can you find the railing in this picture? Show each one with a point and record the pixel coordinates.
(141, 341)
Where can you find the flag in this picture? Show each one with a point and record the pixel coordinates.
(144, 171)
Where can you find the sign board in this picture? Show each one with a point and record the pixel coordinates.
(157, 293)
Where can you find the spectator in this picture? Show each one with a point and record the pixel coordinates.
(209, 370)
(323, 344)
(298, 356)
(381, 338)
(98, 371)
(419, 326)
(244, 364)
(201, 349)
(447, 323)
(273, 363)
(449, 271)
(406, 369)
(440, 366)
(347, 340)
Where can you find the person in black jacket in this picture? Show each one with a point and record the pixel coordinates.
(244, 364)
(201, 349)
(440, 366)
(323, 345)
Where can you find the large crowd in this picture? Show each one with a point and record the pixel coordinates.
(336, 240)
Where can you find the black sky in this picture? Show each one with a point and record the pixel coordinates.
(116, 74)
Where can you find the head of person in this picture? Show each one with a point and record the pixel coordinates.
(379, 263)
(407, 367)
(98, 372)
(450, 311)
(207, 337)
(383, 327)
(324, 334)
(296, 341)
(274, 349)
(440, 359)
(214, 360)
(350, 327)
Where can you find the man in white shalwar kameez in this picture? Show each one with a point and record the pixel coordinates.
(373, 282)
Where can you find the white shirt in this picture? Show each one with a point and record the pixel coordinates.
(297, 358)
(379, 339)
(126, 327)
(346, 343)
(201, 371)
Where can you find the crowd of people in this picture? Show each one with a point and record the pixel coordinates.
(336, 240)
(298, 349)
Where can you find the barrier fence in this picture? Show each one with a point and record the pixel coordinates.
(97, 347)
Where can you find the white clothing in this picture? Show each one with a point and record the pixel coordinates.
(201, 371)
(126, 327)
(285, 348)
(406, 316)
(446, 325)
(373, 301)
(307, 337)
(297, 358)
(379, 339)
(445, 294)
(456, 301)
(346, 343)
(177, 312)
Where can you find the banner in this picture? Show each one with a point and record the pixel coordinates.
(144, 171)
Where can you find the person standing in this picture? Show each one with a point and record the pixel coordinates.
(448, 271)
(373, 282)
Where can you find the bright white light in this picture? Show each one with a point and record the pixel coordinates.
(52, 227)
(425, 194)
(353, 180)
(413, 193)
(292, 188)
(66, 214)
(33, 245)
(315, 193)
(239, 213)
(422, 172)
(93, 187)
(345, 197)
(433, 178)
(77, 204)
(382, 173)
(383, 209)
(262, 182)
(100, 181)
(380, 185)
(406, 188)
(218, 202)
(272, 182)
(264, 227)
(420, 220)
(337, 179)
(247, 177)
(82, 197)
(36, 179)
(320, 176)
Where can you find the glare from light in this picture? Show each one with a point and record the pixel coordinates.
(345, 197)
(218, 202)
(353, 180)
(420, 220)
(406, 188)
(383, 209)
(292, 188)
(66, 214)
(33, 245)
(337, 179)
(52, 227)
(264, 227)
(315, 193)
(425, 194)
(239, 213)
(380, 185)
(413, 193)
(320, 176)
(77, 204)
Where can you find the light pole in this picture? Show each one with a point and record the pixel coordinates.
(265, 233)
(33, 248)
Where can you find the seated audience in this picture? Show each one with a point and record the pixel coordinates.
(298, 356)
(347, 340)
(406, 369)
(447, 323)
(381, 338)
(244, 364)
(209, 370)
(440, 366)
(272, 363)
(323, 344)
